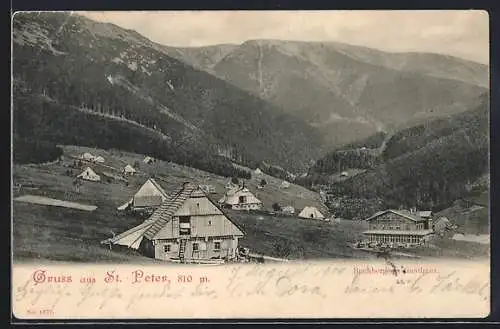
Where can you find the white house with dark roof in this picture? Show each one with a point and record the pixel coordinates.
(397, 226)
(241, 199)
(129, 170)
(186, 227)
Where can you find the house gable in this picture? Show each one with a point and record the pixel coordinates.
(206, 220)
(198, 205)
(164, 213)
(151, 188)
(308, 211)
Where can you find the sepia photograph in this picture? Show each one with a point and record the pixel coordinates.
(178, 147)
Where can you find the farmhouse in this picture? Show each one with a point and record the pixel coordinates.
(149, 196)
(98, 159)
(258, 171)
(311, 213)
(398, 226)
(149, 160)
(288, 210)
(129, 170)
(285, 184)
(186, 227)
(241, 199)
(90, 175)
(87, 156)
(441, 225)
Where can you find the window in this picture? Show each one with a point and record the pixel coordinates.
(195, 246)
(167, 248)
(185, 225)
(216, 245)
(185, 219)
(242, 199)
(209, 222)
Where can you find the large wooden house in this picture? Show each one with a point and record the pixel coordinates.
(186, 227)
(398, 227)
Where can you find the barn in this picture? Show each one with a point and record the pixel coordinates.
(149, 196)
(129, 170)
(311, 213)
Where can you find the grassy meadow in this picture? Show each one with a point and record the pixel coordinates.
(63, 234)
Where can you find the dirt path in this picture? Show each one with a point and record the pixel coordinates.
(54, 202)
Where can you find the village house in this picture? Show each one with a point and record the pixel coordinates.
(240, 199)
(129, 170)
(285, 184)
(441, 225)
(289, 210)
(87, 156)
(90, 175)
(398, 226)
(187, 227)
(149, 160)
(310, 212)
(149, 196)
(98, 159)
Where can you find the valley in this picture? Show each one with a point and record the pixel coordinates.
(348, 130)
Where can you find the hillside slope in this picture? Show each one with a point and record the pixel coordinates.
(44, 232)
(79, 64)
(426, 166)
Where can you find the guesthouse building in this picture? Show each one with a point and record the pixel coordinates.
(400, 227)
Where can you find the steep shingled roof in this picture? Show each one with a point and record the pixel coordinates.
(164, 213)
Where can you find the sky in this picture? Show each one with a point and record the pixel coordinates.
(461, 33)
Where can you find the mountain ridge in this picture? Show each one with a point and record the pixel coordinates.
(347, 92)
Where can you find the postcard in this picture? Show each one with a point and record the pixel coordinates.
(250, 164)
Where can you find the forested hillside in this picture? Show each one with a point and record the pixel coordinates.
(84, 66)
(426, 166)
